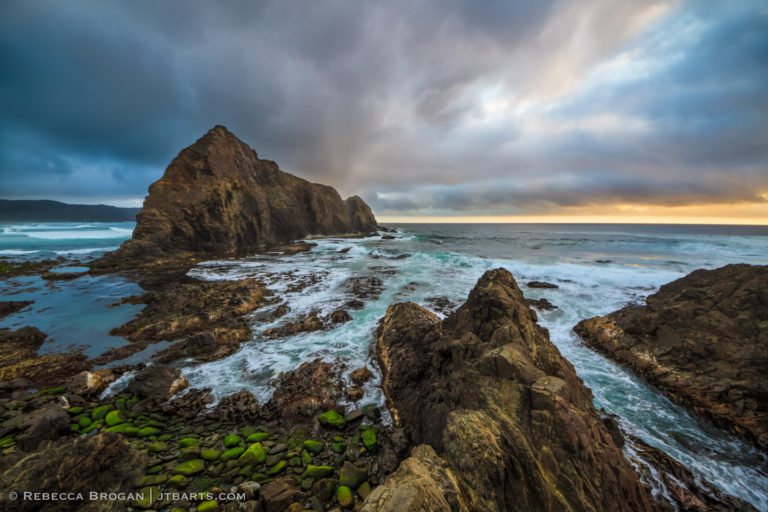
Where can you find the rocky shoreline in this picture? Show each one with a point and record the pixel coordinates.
(486, 414)
(703, 340)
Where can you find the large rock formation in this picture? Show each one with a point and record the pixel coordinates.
(217, 198)
(497, 418)
(703, 339)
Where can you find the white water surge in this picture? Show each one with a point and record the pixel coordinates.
(447, 262)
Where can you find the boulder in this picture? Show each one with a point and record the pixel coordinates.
(217, 198)
(48, 423)
(703, 340)
(309, 389)
(278, 494)
(157, 382)
(497, 418)
(90, 383)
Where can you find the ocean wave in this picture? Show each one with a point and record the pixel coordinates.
(87, 250)
(15, 252)
(74, 235)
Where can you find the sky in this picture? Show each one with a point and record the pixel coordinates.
(430, 110)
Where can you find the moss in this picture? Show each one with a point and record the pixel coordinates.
(209, 454)
(149, 480)
(124, 428)
(331, 419)
(306, 484)
(148, 431)
(277, 468)
(370, 440)
(190, 467)
(344, 497)
(232, 453)
(74, 411)
(73, 427)
(257, 437)
(207, 506)
(165, 437)
(177, 482)
(158, 447)
(85, 421)
(232, 440)
(100, 412)
(154, 470)
(313, 446)
(255, 454)
(193, 452)
(247, 431)
(54, 391)
(318, 471)
(188, 441)
(115, 418)
(306, 458)
(146, 497)
(337, 447)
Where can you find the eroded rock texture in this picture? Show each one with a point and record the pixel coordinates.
(703, 339)
(497, 417)
(218, 198)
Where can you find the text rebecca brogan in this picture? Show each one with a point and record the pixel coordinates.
(149, 494)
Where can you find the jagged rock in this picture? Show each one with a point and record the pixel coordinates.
(702, 339)
(361, 376)
(188, 307)
(542, 304)
(541, 284)
(278, 494)
(47, 423)
(217, 198)
(90, 383)
(102, 463)
(157, 382)
(511, 424)
(440, 304)
(339, 316)
(8, 307)
(309, 389)
(19, 359)
(240, 407)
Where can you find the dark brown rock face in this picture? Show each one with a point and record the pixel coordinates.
(217, 198)
(102, 463)
(497, 417)
(703, 339)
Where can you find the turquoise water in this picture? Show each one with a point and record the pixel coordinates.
(78, 313)
(598, 269)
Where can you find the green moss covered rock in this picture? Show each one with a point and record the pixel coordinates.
(313, 446)
(318, 471)
(149, 480)
(209, 454)
(115, 418)
(232, 453)
(207, 506)
(344, 497)
(188, 441)
(190, 467)
(255, 454)
(331, 419)
(352, 476)
(277, 468)
(232, 440)
(257, 437)
(148, 431)
(370, 440)
(177, 481)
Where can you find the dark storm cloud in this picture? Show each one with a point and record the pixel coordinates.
(504, 107)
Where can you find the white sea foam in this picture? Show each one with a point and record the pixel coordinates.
(16, 252)
(423, 270)
(86, 250)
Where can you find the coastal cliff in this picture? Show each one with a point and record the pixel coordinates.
(702, 339)
(495, 417)
(217, 198)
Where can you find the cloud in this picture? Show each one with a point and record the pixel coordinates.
(427, 106)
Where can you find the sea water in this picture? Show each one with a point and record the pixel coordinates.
(598, 268)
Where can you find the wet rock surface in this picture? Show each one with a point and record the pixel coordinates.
(217, 198)
(702, 339)
(496, 418)
(58, 441)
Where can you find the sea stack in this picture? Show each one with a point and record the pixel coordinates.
(495, 417)
(217, 198)
(702, 339)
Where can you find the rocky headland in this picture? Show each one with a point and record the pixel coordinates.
(702, 339)
(217, 199)
(495, 418)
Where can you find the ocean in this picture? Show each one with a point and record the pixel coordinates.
(598, 268)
